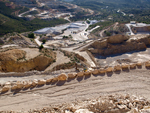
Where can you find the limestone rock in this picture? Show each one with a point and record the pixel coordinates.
(34, 83)
(14, 87)
(95, 72)
(19, 85)
(147, 64)
(66, 111)
(87, 73)
(48, 81)
(7, 84)
(118, 44)
(146, 109)
(117, 39)
(80, 74)
(135, 110)
(27, 84)
(109, 69)
(62, 77)
(83, 111)
(130, 105)
(139, 64)
(117, 68)
(132, 66)
(5, 89)
(54, 80)
(41, 82)
(100, 44)
(9, 61)
(72, 75)
(102, 71)
(125, 66)
(122, 106)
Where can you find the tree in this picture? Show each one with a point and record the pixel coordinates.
(65, 37)
(41, 47)
(31, 35)
(43, 41)
(88, 22)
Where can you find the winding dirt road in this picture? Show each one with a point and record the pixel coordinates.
(132, 81)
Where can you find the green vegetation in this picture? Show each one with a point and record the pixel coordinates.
(98, 4)
(67, 37)
(31, 35)
(10, 23)
(41, 47)
(43, 41)
(88, 22)
(107, 33)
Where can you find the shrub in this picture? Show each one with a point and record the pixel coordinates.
(41, 47)
(44, 41)
(31, 35)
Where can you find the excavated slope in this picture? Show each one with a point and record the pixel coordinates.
(120, 44)
(15, 61)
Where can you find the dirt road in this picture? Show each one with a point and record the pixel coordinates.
(133, 82)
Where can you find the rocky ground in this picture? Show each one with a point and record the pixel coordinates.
(132, 82)
(23, 59)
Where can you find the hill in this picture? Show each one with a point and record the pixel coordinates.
(9, 22)
(97, 4)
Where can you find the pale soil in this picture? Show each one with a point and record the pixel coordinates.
(130, 57)
(31, 52)
(60, 59)
(133, 82)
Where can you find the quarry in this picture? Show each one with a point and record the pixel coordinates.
(74, 73)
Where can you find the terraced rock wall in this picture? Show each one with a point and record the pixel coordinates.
(15, 61)
(21, 85)
(118, 44)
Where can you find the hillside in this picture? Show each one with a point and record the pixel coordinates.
(9, 22)
(94, 4)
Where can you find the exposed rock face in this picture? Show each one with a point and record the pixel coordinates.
(116, 39)
(100, 44)
(141, 29)
(14, 61)
(119, 44)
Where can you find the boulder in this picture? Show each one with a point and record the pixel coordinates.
(7, 84)
(62, 77)
(41, 82)
(27, 84)
(101, 71)
(83, 111)
(5, 89)
(109, 69)
(80, 74)
(146, 109)
(14, 87)
(132, 66)
(48, 81)
(72, 75)
(54, 80)
(19, 85)
(147, 64)
(34, 83)
(117, 68)
(117, 39)
(124, 66)
(87, 73)
(122, 106)
(95, 72)
(139, 64)
(135, 110)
